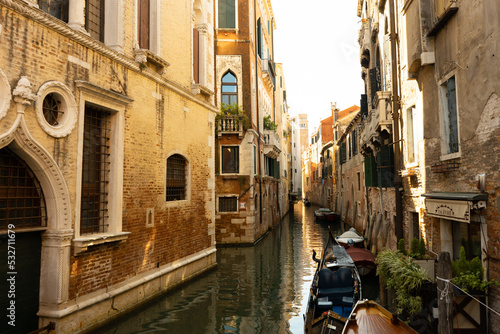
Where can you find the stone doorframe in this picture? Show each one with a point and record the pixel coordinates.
(56, 240)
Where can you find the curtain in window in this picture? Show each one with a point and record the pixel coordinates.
(227, 14)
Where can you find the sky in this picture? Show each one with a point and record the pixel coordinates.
(317, 43)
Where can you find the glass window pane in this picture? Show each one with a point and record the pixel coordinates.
(229, 78)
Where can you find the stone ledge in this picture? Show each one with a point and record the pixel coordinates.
(83, 243)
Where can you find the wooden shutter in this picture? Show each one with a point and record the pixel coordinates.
(385, 167)
(452, 116)
(196, 55)
(260, 38)
(144, 24)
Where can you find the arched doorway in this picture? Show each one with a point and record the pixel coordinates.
(22, 219)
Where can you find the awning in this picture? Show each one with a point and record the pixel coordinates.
(454, 206)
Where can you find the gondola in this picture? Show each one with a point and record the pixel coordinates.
(369, 317)
(335, 289)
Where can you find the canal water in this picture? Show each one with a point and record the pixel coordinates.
(260, 289)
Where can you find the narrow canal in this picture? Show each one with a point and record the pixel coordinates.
(260, 289)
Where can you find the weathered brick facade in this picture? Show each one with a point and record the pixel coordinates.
(148, 244)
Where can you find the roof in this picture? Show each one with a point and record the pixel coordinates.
(348, 111)
(457, 196)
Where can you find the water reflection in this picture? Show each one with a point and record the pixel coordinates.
(260, 289)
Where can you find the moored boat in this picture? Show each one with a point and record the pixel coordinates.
(363, 259)
(335, 289)
(325, 214)
(369, 317)
(350, 237)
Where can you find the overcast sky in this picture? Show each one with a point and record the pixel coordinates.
(317, 43)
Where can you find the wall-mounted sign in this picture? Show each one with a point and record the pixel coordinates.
(453, 210)
(243, 205)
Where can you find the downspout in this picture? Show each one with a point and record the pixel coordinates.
(398, 185)
(257, 105)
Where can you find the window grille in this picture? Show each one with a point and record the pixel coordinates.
(176, 178)
(56, 8)
(95, 171)
(52, 109)
(21, 197)
(94, 18)
(228, 204)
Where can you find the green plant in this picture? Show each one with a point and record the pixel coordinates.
(470, 274)
(402, 247)
(421, 248)
(414, 248)
(404, 276)
(269, 124)
(232, 109)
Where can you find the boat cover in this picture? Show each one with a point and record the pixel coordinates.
(361, 255)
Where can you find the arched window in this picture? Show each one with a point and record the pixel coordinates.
(21, 199)
(176, 178)
(229, 88)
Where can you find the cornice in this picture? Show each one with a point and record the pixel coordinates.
(85, 40)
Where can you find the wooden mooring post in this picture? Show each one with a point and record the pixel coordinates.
(445, 294)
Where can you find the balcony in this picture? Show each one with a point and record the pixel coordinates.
(269, 72)
(272, 146)
(378, 124)
(230, 125)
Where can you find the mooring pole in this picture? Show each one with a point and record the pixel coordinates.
(445, 294)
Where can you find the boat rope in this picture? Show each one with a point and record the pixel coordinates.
(448, 281)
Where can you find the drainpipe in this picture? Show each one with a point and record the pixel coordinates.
(398, 184)
(257, 105)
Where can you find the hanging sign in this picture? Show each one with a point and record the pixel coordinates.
(453, 210)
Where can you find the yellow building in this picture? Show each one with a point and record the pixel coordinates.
(106, 135)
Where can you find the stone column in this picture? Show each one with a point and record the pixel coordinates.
(55, 268)
(202, 29)
(76, 14)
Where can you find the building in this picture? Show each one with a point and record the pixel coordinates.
(432, 95)
(295, 159)
(249, 193)
(106, 141)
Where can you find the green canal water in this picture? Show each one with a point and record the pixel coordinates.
(260, 289)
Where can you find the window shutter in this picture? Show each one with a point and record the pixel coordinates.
(385, 168)
(452, 115)
(144, 24)
(260, 36)
(196, 55)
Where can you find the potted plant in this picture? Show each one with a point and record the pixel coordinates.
(269, 124)
(404, 276)
(469, 275)
(232, 109)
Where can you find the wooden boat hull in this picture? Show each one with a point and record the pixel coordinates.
(350, 237)
(369, 317)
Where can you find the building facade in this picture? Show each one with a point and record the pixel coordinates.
(249, 193)
(108, 200)
(432, 83)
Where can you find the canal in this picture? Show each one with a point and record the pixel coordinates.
(260, 289)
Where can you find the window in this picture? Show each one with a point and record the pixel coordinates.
(411, 143)
(229, 88)
(95, 171)
(467, 235)
(52, 110)
(56, 8)
(176, 178)
(94, 18)
(21, 198)
(254, 159)
(230, 159)
(228, 204)
(450, 116)
(227, 14)
(359, 181)
(272, 167)
(260, 39)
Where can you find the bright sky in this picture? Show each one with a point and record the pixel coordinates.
(317, 43)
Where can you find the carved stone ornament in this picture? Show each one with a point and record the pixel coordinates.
(23, 94)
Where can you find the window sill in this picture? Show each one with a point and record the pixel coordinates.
(201, 89)
(170, 204)
(144, 56)
(81, 244)
(450, 156)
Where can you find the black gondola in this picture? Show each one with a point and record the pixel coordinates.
(335, 289)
